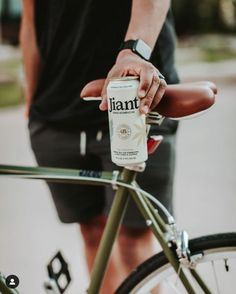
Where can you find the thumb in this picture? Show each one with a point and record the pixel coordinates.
(103, 105)
(93, 88)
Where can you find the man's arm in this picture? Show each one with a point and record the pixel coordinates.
(147, 18)
(30, 52)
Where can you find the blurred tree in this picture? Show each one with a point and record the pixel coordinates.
(193, 16)
(10, 13)
(228, 13)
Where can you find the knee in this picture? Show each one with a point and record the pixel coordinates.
(92, 231)
(133, 239)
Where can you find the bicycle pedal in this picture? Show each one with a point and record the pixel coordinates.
(59, 276)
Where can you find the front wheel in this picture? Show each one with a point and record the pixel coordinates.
(217, 268)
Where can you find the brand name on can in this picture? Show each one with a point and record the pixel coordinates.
(118, 105)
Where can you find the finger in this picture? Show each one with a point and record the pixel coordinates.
(93, 89)
(147, 101)
(114, 72)
(146, 76)
(103, 105)
(159, 94)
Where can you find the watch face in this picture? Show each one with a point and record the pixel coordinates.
(143, 49)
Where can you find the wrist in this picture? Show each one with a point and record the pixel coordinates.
(126, 52)
(138, 46)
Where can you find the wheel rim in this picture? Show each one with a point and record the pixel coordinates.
(212, 265)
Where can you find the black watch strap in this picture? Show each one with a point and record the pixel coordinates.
(130, 44)
(127, 45)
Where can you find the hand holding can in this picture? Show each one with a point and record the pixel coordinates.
(126, 123)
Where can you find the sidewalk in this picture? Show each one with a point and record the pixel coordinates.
(9, 53)
(222, 71)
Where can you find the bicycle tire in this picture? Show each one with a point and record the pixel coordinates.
(211, 245)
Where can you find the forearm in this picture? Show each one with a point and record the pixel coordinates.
(30, 52)
(146, 21)
(31, 61)
(147, 18)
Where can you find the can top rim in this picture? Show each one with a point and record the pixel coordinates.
(127, 78)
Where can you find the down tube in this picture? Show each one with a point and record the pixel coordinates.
(148, 215)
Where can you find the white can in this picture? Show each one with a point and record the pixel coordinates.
(126, 123)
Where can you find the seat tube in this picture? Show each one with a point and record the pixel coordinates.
(111, 229)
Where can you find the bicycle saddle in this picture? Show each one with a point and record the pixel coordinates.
(179, 101)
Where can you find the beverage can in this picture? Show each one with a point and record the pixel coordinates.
(126, 124)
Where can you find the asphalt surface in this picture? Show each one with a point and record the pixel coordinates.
(205, 189)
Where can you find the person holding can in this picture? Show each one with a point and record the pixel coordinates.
(65, 45)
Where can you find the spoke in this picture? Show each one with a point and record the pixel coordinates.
(173, 286)
(177, 276)
(226, 265)
(215, 276)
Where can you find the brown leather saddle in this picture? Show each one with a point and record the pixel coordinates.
(179, 101)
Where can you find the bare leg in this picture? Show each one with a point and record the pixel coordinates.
(92, 232)
(133, 247)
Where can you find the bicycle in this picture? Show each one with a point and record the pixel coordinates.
(181, 260)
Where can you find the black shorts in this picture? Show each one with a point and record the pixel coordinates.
(90, 149)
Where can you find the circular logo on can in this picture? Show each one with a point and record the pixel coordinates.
(123, 131)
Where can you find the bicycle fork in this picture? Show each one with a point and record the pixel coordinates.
(161, 231)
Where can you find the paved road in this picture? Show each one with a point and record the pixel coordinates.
(205, 197)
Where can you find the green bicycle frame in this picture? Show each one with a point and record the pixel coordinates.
(4, 289)
(115, 217)
(125, 182)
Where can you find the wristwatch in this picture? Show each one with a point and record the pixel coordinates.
(139, 47)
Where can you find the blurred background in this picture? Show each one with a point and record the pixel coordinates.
(206, 32)
(205, 186)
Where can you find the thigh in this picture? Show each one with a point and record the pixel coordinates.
(56, 147)
(158, 178)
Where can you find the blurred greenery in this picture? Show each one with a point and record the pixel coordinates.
(194, 17)
(13, 6)
(10, 88)
(218, 54)
(10, 94)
